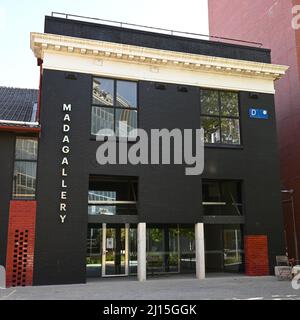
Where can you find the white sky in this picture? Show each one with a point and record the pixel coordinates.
(19, 17)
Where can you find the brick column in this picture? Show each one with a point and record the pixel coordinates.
(20, 243)
(256, 255)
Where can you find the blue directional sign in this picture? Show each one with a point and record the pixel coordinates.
(258, 114)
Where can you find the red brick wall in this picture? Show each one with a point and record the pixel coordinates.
(256, 256)
(20, 244)
(297, 34)
(269, 22)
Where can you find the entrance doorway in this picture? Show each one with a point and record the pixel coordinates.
(115, 250)
(108, 250)
(112, 250)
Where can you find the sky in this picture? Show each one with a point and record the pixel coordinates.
(20, 17)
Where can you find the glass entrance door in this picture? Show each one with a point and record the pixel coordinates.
(115, 249)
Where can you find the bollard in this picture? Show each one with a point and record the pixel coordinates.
(2, 278)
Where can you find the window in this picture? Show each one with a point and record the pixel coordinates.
(111, 195)
(233, 247)
(114, 106)
(104, 198)
(222, 198)
(162, 247)
(220, 117)
(24, 183)
(224, 250)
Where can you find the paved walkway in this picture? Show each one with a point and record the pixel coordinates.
(164, 288)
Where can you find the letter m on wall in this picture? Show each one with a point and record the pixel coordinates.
(67, 107)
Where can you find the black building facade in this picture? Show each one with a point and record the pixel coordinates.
(92, 220)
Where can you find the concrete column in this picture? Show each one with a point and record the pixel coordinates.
(200, 252)
(2, 278)
(141, 254)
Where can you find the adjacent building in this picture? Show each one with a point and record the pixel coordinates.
(19, 134)
(271, 23)
(67, 217)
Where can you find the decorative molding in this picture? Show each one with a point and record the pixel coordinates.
(51, 48)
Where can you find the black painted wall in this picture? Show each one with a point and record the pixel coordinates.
(7, 147)
(82, 29)
(257, 165)
(165, 192)
(60, 248)
(166, 195)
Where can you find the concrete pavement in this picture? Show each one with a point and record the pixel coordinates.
(162, 288)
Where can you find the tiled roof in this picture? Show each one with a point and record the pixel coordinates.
(18, 104)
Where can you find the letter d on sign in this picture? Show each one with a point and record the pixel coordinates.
(66, 128)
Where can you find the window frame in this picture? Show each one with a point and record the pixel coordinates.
(132, 194)
(219, 183)
(13, 197)
(114, 106)
(220, 117)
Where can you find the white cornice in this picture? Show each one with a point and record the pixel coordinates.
(48, 45)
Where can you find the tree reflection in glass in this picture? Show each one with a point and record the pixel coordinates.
(220, 117)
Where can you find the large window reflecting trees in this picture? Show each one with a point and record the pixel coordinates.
(220, 117)
(162, 250)
(112, 249)
(187, 250)
(170, 249)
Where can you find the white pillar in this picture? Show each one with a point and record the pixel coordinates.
(141, 254)
(200, 251)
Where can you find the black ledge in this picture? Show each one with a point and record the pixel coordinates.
(95, 31)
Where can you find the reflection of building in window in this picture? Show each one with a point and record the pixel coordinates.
(102, 118)
(102, 197)
(26, 148)
(122, 102)
(24, 185)
(127, 122)
(112, 196)
(114, 106)
(100, 95)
